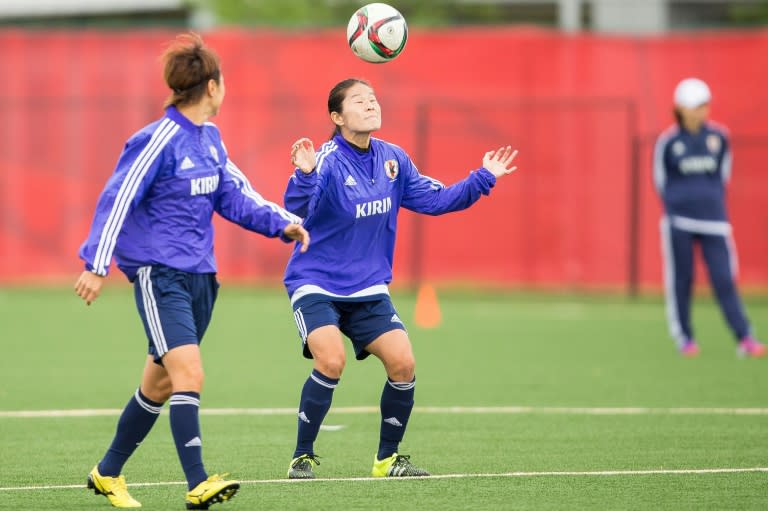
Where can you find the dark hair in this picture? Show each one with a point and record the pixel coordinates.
(678, 116)
(188, 66)
(338, 94)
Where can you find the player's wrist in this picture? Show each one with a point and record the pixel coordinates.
(89, 268)
(306, 172)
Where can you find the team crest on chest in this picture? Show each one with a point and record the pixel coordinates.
(678, 148)
(391, 169)
(713, 143)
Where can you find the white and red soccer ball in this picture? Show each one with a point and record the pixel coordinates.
(377, 33)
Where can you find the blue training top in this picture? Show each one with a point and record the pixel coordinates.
(690, 172)
(157, 206)
(350, 204)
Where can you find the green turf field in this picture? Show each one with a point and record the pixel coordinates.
(524, 401)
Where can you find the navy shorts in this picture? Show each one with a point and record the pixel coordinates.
(362, 322)
(175, 306)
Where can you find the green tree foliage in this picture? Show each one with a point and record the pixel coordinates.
(755, 14)
(302, 13)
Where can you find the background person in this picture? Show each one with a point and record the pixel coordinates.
(692, 164)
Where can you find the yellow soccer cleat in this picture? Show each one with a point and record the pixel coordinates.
(301, 467)
(212, 490)
(114, 488)
(397, 465)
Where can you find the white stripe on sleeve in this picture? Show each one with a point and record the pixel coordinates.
(325, 150)
(248, 191)
(659, 168)
(127, 191)
(726, 166)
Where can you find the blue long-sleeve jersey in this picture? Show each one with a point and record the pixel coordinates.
(350, 204)
(690, 172)
(157, 206)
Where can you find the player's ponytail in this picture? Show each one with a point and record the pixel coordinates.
(188, 66)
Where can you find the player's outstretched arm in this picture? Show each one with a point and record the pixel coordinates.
(88, 286)
(297, 233)
(303, 155)
(498, 161)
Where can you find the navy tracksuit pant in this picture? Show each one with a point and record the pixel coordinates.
(720, 258)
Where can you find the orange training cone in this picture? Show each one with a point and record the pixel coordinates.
(427, 313)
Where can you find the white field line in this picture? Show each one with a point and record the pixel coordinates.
(554, 410)
(569, 473)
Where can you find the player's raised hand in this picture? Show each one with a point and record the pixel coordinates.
(88, 286)
(498, 162)
(298, 233)
(303, 155)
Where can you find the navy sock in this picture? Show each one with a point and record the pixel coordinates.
(316, 399)
(138, 417)
(185, 426)
(396, 406)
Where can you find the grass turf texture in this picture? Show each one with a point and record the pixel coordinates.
(491, 350)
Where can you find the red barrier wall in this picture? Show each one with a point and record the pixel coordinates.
(583, 111)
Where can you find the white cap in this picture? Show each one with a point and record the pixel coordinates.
(691, 93)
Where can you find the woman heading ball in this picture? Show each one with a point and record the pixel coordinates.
(350, 193)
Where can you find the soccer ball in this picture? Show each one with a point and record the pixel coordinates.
(377, 33)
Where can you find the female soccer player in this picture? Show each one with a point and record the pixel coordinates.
(350, 194)
(692, 164)
(155, 215)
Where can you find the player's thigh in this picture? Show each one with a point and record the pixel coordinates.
(395, 351)
(326, 345)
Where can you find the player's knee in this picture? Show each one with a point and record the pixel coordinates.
(331, 365)
(159, 391)
(402, 368)
(188, 379)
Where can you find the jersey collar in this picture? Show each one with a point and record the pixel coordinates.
(173, 113)
(345, 146)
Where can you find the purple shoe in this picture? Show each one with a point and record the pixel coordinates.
(750, 347)
(689, 349)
